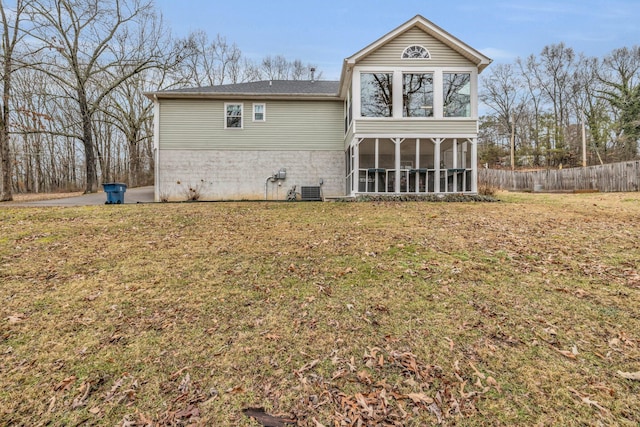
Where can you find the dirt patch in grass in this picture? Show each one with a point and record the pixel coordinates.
(34, 197)
(523, 312)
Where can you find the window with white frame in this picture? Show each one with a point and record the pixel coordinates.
(233, 116)
(417, 95)
(376, 94)
(456, 92)
(259, 112)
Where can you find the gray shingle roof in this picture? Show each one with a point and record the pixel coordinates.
(266, 87)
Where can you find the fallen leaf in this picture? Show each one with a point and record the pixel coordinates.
(177, 373)
(95, 411)
(65, 384)
(93, 296)
(235, 390)
(265, 419)
(477, 372)
(185, 383)
(316, 423)
(79, 401)
(585, 399)
(16, 318)
(630, 375)
(308, 366)
(420, 398)
(450, 343)
(191, 411)
(364, 377)
(435, 410)
(363, 404)
(492, 382)
(52, 404)
(565, 353)
(272, 337)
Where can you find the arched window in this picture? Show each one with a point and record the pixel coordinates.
(415, 52)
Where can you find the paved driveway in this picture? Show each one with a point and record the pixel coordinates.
(131, 196)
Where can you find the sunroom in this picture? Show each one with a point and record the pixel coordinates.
(411, 165)
(411, 113)
(419, 138)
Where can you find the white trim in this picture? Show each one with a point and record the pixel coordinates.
(156, 124)
(356, 99)
(414, 135)
(241, 115)
(156, 149)
(253, 112)
(396, 95)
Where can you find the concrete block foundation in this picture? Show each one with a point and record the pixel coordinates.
(243, 175)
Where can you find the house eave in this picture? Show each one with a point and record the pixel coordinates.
(243, 96)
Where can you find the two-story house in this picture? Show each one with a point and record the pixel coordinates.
(402, 119)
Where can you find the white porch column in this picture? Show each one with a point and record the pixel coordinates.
(375, 165)
(416, 176)
(474, 164)
(455, 166)
(396, 183)
(355, 182)
(436, 164)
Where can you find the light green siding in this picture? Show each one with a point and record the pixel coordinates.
(415, 127)
(390, 54)
(289, 125)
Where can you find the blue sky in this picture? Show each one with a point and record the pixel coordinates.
(325, 32)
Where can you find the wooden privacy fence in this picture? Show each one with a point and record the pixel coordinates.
(612, 177)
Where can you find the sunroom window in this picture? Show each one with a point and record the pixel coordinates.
(417, 95)
(233, 116)
(376, 94)
(456, 94)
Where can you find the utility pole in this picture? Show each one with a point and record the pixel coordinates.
(584, 142)
(513, 143)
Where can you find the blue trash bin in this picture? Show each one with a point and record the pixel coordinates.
(115, 192)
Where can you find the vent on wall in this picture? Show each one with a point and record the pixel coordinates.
(310, 193)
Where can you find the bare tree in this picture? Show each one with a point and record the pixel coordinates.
(275, 67)
(279, 68)
(11, 36)
(503, 92)
(81, 35)
(553, 74)
(209, 63)
(620, 77)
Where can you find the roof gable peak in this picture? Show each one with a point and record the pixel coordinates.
(430, 28)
